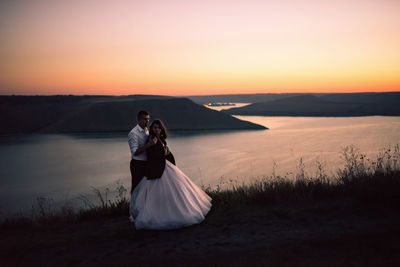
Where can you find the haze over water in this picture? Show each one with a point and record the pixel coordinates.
(62, 166)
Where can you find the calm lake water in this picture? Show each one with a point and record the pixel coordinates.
(60, 167)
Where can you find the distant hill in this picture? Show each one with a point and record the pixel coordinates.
(363, 97)
(365, 104)
(62, 114)
(242, 98)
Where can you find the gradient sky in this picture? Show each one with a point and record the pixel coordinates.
(198, 47)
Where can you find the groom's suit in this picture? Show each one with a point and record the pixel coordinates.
(137, 138)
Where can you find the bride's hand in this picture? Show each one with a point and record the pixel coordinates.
(153, 141)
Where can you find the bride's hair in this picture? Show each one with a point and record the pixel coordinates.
(160, 124)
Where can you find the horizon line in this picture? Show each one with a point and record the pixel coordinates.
(365, 92)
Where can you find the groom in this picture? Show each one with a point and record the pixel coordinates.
(137, 139)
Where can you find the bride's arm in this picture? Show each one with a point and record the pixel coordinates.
(166, 149)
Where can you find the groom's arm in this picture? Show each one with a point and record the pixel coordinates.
(134, 145)
(142, 149)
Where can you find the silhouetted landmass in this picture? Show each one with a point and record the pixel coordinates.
(363, 97)
(241, 98)
(362, 104)
(55, 114)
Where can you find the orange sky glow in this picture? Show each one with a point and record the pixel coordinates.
(198, 47)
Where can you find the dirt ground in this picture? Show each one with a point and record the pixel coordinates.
(328, 235)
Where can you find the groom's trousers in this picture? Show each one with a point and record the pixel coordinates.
(138, 171)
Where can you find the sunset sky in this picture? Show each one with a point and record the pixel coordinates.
(197, 47)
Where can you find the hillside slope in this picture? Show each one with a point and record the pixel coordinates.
(327, 105)
(57, 114)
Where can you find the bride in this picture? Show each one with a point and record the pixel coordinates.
(166, 198)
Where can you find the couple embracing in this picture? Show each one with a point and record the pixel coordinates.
(162, 196)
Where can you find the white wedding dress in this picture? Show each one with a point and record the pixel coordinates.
(170, 202)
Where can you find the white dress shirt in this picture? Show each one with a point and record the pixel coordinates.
(137, 138)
